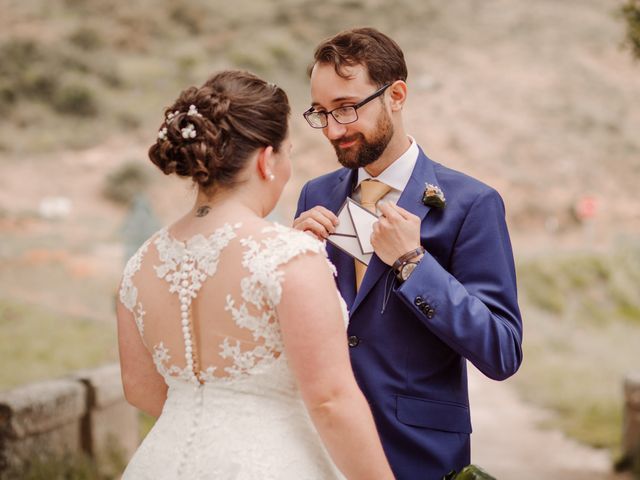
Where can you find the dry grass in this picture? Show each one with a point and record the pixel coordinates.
(36, 344)
(580, 344)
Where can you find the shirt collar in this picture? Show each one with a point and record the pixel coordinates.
(397, 174)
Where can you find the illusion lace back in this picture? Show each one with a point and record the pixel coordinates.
(206, 311)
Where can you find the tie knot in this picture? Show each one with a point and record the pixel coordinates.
(371, 191)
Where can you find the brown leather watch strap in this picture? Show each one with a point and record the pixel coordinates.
(406, 257)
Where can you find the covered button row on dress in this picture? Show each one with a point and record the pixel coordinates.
(197, 412)
(185, 303)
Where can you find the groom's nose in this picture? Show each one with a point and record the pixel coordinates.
(334, 130)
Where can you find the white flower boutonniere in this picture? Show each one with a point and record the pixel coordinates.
(433, 196)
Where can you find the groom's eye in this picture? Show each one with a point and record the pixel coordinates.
(346, 110)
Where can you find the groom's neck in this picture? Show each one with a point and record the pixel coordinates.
(398, 144)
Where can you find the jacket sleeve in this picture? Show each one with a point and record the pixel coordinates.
(473, 308)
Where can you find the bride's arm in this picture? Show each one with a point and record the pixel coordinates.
(144, 387)
(315, 341)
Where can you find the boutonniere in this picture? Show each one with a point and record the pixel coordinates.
(433, 196)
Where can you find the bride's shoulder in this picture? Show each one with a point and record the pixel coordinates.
(279, 242)
(291, 236)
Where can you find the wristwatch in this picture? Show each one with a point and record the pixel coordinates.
(404, 266)
(406, 269)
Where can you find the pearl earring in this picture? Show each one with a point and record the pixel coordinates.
(272, 177)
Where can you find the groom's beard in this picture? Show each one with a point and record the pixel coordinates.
(364, 151)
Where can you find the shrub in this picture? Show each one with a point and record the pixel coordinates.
(123, 184)
(75, 99)
(86, 38)
(29, 70)
(631, 14)
(189, 16)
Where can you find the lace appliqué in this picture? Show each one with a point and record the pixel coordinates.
(128, 291)
(262, 291)
(161, 359)
(185, 266)
(196, 259)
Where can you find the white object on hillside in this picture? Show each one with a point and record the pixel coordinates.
(53, 208)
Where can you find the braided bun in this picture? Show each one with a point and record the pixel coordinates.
(210, 132)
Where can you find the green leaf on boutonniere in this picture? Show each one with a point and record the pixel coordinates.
(433, 196)
(470, 472)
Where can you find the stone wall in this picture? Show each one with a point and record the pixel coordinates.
(85, 414)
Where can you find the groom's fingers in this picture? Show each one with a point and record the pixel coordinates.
(407, 215)
(320, 221)
(388, 212)
(324, 217)
(327, 213)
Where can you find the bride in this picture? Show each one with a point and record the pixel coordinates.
(231, 330)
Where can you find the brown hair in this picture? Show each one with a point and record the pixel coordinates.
(366, 46)
(235, 114)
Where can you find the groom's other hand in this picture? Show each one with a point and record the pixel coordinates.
(319, 221)
(395, 233)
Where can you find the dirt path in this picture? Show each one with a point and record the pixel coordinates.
(508, 442)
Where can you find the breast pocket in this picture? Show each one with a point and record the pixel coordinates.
(433, 414)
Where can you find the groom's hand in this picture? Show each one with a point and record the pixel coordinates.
(395, 233)
(319, 221)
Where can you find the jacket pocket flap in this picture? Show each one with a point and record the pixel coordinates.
(433, 414)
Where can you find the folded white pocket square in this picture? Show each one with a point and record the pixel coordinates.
(353, 234)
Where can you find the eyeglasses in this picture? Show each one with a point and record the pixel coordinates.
(342, 115)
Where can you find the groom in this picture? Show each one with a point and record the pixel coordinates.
(440, 288)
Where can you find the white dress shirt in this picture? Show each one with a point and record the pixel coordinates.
(396, 175)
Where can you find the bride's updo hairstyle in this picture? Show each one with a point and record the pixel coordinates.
(210, 132)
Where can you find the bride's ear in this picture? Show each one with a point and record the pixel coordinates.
(266, 162)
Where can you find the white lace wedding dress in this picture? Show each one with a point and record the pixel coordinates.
(206, 310)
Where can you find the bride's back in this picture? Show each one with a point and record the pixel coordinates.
(205, 305)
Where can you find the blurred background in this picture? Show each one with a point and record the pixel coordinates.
(539, 99)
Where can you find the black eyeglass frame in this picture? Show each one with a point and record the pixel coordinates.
(355, 107)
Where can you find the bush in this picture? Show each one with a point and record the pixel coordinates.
(86, 38)
(631, 14)
(18, 77)
(29, 70)
(75, 99)
(190, 16)
(123, 184)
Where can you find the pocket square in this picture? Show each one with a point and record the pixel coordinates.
(353, 234)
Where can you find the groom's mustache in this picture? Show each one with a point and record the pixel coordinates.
(336, 143)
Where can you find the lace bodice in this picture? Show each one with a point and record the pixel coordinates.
(203, 323)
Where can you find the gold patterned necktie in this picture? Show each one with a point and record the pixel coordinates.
(370, 192)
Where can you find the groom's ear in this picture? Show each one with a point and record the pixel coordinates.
(398, 95)
(266, 161)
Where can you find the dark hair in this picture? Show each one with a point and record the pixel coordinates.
(233, 114)
(379, 54)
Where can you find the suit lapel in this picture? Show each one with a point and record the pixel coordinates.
(344, 263)
(411, 200)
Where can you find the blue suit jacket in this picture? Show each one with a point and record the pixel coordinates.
(460, 303)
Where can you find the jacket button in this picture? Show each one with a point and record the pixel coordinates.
(418, 301)
(353, 341)
(430, 313)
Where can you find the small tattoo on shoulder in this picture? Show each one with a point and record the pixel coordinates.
(202, 211)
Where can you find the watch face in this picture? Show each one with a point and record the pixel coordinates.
(407, 270)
